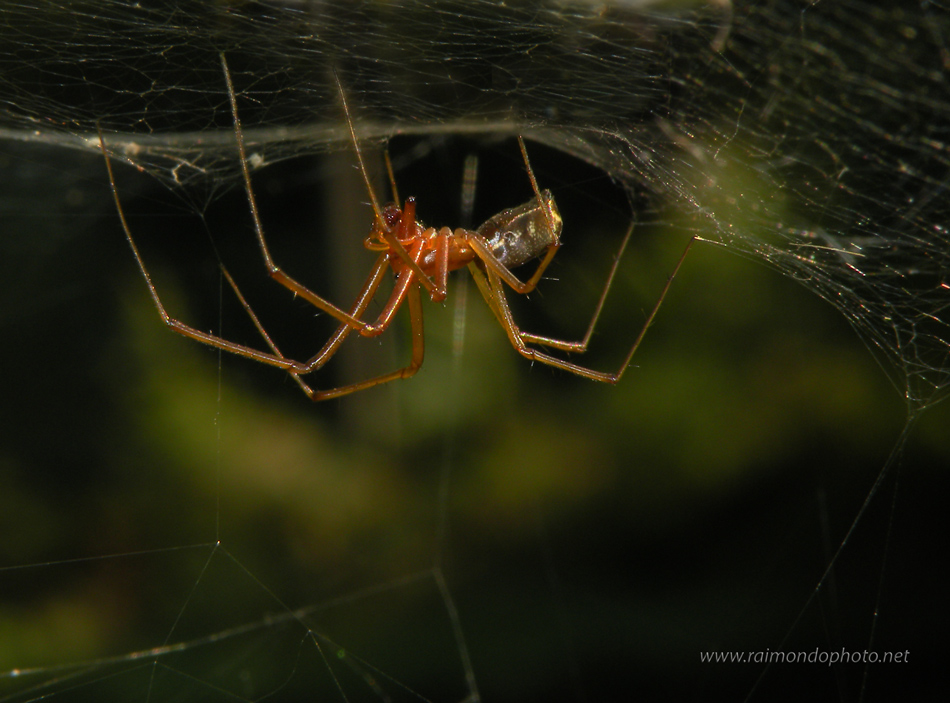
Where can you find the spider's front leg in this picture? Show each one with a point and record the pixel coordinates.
(273, 270)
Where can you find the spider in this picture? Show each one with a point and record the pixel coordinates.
(419, 257)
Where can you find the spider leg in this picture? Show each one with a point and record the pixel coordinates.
(418, 353)
(177, 326)
(362, 302)
(532, 282)
(260, 328)
(405, 278)
(581, 345)
(273, 270)
(318, 360)
(276, 358)
(504, 273)
(437, 292)
(333, 344)
(489, 284)
(392, 174)
(490, 287)
(418, 343)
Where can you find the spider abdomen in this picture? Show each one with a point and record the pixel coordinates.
(519, 234)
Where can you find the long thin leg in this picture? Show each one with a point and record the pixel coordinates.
(489, 284)
(418, 353)
(437, 293)
(180, 327)
(503, 272)
(273, 270)
(322, 356)
(581, 346)
(405, 282)
(276, 358)
(369, 289)
(260, 328)
(330, 348)
(418, 341)
(389, 171)
(549, 216)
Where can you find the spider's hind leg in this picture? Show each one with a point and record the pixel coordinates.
(490, 286)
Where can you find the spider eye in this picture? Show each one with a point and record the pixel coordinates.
(392, 213)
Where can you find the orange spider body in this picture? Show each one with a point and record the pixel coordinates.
(437, 252)
(509, 239)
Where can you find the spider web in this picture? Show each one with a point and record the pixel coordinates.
(809, 137)
(785, 146)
